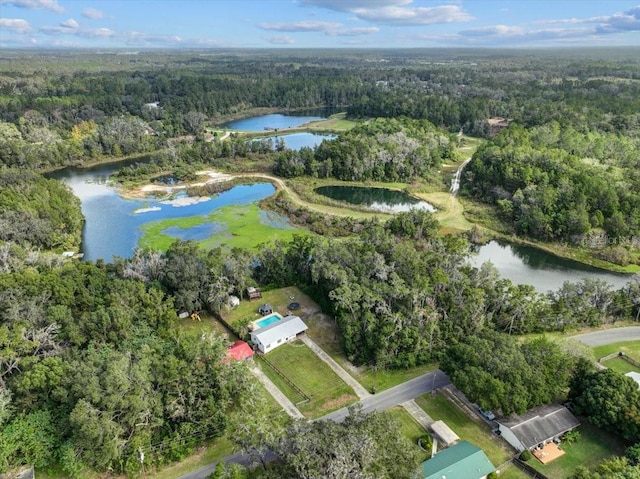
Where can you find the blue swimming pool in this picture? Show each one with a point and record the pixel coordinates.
(267, 320)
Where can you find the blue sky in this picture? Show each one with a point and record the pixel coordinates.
(318, 23)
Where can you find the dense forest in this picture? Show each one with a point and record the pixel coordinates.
(556, 184)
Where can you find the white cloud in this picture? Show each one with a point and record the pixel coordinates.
(139, 38)
(395, 12)
(280, 40)
(350, 5)
(17, 25)
(303, 26)
(618, 22)
(51, 5)
(92, 13)
(494, 30)
(328, 28)
(70, 23)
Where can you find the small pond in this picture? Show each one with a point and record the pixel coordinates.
(378, 199)
(544, 271)
(274, 121)
(296, 141)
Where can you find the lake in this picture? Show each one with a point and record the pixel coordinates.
(383, 200)
(296, 141)
(274, 121)
(544, 271)
(112, 226)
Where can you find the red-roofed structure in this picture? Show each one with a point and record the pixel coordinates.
(239, 351)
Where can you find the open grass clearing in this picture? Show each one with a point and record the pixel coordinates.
(449, 211)
(409, 428)
(477, 432)
(245, 226)
(325, 390)
(593, 446)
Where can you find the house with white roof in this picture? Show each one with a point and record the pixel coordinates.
(635, 376)
(278, 333)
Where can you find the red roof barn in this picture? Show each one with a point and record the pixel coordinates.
(239, 351)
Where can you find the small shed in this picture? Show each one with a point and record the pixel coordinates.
(265, 309)
(183, 314)
(233, 302)
(253, 293)
(239, 351)
(445, 435)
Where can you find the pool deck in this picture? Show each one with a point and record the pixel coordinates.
(254, 324)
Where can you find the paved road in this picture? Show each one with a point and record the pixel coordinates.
(608, 336)
(379, 402)
(238, 458)
(397, 395)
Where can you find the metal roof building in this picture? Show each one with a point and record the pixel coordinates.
(462, 461)
(537, 426)
(278, 333)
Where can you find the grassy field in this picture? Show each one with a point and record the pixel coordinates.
(409, 428)
(450, 212)
(593, 446)
(474, 430)
(325, 390)
(239, 226)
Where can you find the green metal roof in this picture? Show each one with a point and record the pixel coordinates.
(462, 461)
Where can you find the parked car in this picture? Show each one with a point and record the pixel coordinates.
(487, 414)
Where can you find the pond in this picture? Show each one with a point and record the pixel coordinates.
(544, 271)
(113, 224)
(296, 141)
(383, 200)
(274, 121)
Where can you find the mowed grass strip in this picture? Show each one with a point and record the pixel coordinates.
(242, 226)
(327, 392)
(476, 432)
(621, 365)
(630, 348)
(593, 446)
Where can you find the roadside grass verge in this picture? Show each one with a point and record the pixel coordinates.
(593, 446)
(242, 226)
(325, 390)
(620, 365)
(476, 431)
(630, 348)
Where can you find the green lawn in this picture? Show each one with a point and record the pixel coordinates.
(241, 226)
(593, 446)
(631, 348)
(621, 365)
(409, 428)
(475, 431)
(325, 390)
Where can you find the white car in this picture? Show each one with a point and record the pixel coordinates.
(487, 414)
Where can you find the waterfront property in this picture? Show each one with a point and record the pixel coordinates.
(277, 333)
(462, 461)
(537, 427)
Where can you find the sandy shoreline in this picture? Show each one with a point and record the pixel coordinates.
(145, 190)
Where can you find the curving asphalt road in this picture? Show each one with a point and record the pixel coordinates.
(609, 336)
(379, 402)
